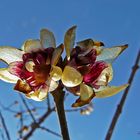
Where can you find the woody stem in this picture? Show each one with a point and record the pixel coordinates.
(58, 96)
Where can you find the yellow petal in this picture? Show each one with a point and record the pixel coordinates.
(56, 73)
(7, 77)
(32, 45)
(90, 44)
(71, 77)
(85, 92)
(110, 54)
(52, 85)
(38, 95)
(86, 95)
(57, 54)
(69, 40)
(110, 91)
(30, 66)
(9, 54)
(47, 38)
(106, 76)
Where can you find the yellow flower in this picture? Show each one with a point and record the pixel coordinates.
(34, 68)
(88, 68)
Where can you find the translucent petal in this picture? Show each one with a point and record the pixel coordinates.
(47, 38)
(56, 73)
(110, 54)
(57, 54)
(85, 92)
(71, 77)
(9, 54)
(69, 40)
(110, 91)
(23, 87)
(7, 77)
(52, 85)
(106, 76)
(89, 43)
(30, 66)
(86, 95)
(38, 95)
(32, 45)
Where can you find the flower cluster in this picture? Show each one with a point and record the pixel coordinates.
(38, 67)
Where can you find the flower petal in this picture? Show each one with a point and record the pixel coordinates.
(32, 45)
(56, 73)
(15, 68)
(6, 76)
(90, 44)
(110, 54)
(57, 54)
(69, 40)
(71, 77)
(110, 91)
(86, 95)
(23, 87)
(9, 54)
(38, 95)
(47, 38)
(106, 76)
(52, 85)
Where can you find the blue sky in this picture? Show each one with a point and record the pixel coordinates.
(115, 22)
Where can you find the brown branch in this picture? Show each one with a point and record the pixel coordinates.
(28, 109)
(4, 126)
(58, 96)
(50, 131)
(35, 125)
(122, 101)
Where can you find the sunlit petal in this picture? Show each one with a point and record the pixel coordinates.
(9, 54)
(23, 87)
(57, 54)
(56, 73)
(52, 85)
(38, 95)
(32, 45)
(89, 43)
(71, 77)
(110, 54)
(7, 77)
(30, 66)
(106, 76)
(86, 95)
(69, 40)
(47, 38)
(110, 91)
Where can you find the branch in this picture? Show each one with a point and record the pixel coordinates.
(121, 104)
(35, 125)
(50, 131)
(5, 127)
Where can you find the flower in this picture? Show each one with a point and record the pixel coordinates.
(88, 68)
(35, 68)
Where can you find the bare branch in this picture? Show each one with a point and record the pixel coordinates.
(50, 131)
(4, 126)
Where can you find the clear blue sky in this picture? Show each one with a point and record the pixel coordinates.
(114, 22)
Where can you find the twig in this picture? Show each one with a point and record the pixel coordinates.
(34, 125)
(4, 126)
(121, 104)
(28, 109)
(50, 131)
